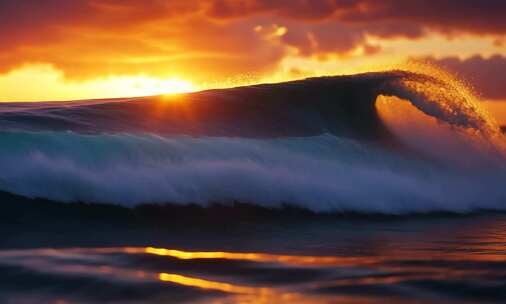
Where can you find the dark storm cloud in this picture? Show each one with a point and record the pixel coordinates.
(472, 16)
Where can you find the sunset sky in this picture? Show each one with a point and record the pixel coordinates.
(74, 49)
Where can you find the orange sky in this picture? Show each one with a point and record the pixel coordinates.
(74, 49)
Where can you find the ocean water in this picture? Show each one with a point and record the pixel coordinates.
(430, 259)
(373, 188)
(320, 144)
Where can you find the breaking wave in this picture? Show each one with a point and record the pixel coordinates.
(321, 144)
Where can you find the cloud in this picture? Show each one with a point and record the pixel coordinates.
(202, 39)
(445, 15)
(94, 38)
(487, 75)
(391, 16)
(215, 39)
(296, 9)
(323, 38)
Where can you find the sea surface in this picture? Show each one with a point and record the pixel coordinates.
(384, 187)
(335, 259)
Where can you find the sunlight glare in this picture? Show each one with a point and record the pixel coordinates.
(50, 84)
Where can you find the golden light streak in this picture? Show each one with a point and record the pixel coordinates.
(206, 284)
(495, 251)
(256, 257)
(245, 294)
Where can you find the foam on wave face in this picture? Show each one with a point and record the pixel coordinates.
(323, 173)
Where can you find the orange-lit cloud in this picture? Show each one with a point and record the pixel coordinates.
(99, 38)
(209, 41)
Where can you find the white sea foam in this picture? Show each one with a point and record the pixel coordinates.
(322, 173)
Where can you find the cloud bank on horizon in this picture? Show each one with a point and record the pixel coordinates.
(220, 39)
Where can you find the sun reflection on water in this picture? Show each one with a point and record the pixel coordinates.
(395, 271)
(256, 257)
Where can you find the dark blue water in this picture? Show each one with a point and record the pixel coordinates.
(421, 259)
